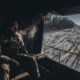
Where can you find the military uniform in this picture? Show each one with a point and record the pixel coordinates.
(11, 46)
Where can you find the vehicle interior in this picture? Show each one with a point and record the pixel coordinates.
(35, 16)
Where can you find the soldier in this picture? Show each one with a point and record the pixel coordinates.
(12, 46)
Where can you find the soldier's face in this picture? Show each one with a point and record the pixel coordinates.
(14, 29)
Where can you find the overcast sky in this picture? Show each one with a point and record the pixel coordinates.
(75, 18)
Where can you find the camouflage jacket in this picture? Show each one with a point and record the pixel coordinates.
(12, 45)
